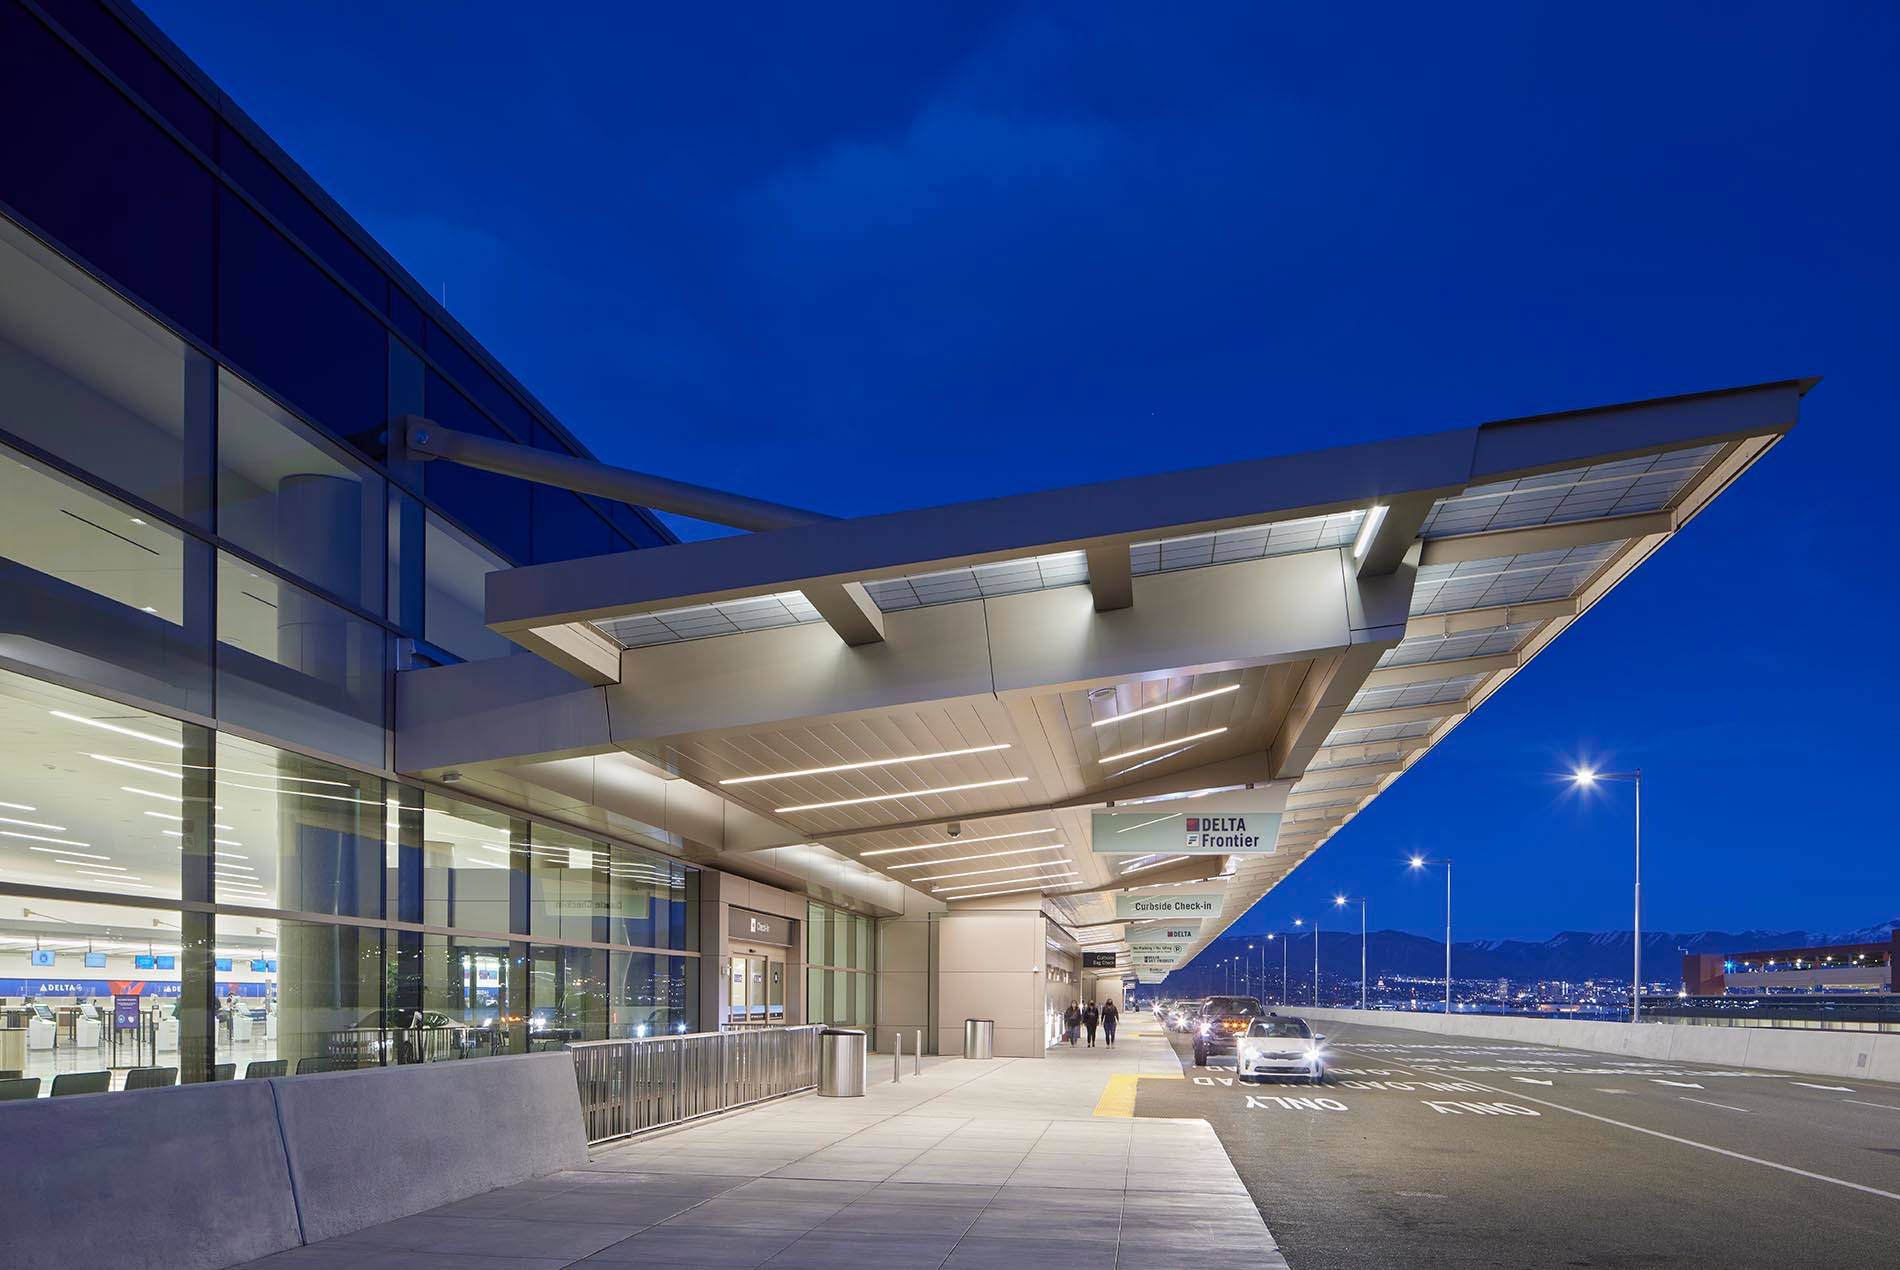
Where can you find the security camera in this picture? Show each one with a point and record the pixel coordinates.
(954, 829)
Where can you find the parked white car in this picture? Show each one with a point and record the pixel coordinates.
(1279, 1046)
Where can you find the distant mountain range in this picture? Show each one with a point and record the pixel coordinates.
(1572, 955)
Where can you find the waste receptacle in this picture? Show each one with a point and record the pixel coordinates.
(979, 1038)
(841, 1063)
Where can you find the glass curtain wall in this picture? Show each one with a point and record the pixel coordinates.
(841, 965)
(330, 918)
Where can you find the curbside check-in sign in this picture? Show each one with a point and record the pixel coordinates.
(1166, 904)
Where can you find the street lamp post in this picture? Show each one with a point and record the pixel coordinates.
(1316, 963)
(1419, 862)
(1586, 778)
(1247, 971)
(1341, 902)
(1283, 943)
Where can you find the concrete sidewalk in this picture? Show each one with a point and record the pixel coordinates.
(1004, 1163)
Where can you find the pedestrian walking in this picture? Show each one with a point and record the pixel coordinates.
(1110, 1017)
(1071, 1020)
(1090, 1018)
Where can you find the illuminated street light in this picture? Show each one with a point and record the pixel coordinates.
(1420, 862)
(1585, 778)
(1340, 901)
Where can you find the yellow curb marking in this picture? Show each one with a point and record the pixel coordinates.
(1119, 1098)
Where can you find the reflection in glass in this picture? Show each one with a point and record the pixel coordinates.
(295, 500)
(95, 791)
(296, 833)
(88, 378)
(296, 666)
(93, 590)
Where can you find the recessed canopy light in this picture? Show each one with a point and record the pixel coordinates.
(987, 855)
(1161, 745)
(915, 793)
(113, 727)
(1019, 890)
(938, 890)
(86, 855)
(1368, 530)
(39, 837)
(1165, 705)
(856, 767)
(18, 807)
(31, 824)
(1006, 868)
(149, 793)
(87, 864)
(956, 842)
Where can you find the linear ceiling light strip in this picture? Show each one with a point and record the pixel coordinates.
(1160, 745)
(1166, 705)
(858, 767)
(953, 842)
(889, 798)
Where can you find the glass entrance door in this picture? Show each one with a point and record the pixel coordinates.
(757, 989)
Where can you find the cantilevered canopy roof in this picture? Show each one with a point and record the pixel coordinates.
(946, 694)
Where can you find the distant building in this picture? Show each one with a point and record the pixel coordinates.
(1840, 968)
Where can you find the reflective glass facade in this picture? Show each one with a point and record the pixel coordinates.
(212, 574)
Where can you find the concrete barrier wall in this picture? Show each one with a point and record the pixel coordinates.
(199, 1177)
(371, 1145)
(1857, 1055)
(187, 1177)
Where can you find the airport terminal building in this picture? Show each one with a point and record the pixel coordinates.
(355, 715)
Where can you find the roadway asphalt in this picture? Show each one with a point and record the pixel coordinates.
(1426, 1150)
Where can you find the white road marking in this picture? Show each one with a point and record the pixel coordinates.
(1680, 1084)
(1703, 1146)
(1529, 1080)
(1613, 1091)
(1883, 1105)
(1480, 1108)
(1706, 1103)
(1832, 1089)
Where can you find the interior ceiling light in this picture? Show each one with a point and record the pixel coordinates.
(1007, 868)
(150, 793)
(113, 727)
(18, 807)
(138, 767)
(1165, 705)
(82, 854)
(953, 842)
(31, 824)
(938, 890)
(87, 864)
(987, 855)
(38, 837)
(1161, 745)
(915, 793)
(858, 767)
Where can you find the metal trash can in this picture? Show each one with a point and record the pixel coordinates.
(841, 1061)
(979, 1038)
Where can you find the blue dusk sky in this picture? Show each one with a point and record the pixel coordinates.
(867, 257)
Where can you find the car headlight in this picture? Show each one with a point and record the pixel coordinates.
(1207, 1029)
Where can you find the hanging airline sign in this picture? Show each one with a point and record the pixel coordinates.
(1138, 948)
(1150, 976)
(1098, 961)
(1168, 904)
(1164, 961)
(1243, 822)
(1181, 932)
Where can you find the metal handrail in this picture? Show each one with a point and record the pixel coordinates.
(631, 1085)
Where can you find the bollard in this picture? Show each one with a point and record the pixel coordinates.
(897, 1057)
(917, 1054)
